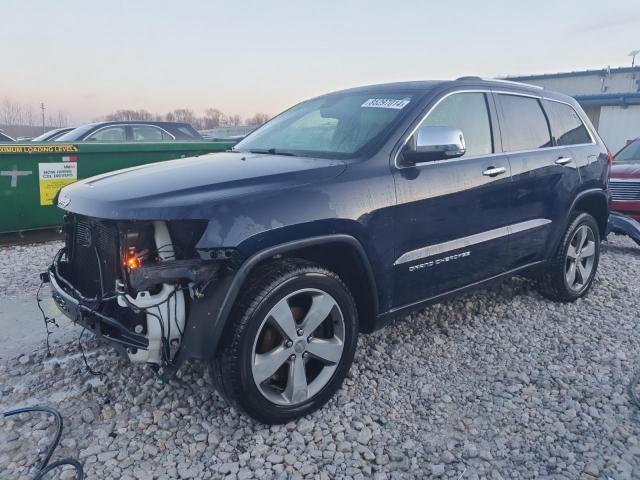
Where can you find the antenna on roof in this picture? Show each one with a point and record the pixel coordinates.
(633, 54)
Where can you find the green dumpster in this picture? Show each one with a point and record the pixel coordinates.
(31, 174)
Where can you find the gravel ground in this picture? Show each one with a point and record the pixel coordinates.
(20, 266)
(496, 384)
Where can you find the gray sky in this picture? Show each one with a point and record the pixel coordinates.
(89, 58)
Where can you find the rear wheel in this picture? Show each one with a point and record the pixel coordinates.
(570, 272)
(289, 343)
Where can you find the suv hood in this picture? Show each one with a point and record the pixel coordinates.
(190, 188)
(625, 170)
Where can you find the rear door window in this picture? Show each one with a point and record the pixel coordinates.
(566, 124)
(109, 134)
(467, 112)
(524, 125)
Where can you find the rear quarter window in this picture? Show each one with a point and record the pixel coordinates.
(566, 125)
(187, 132)
(142, 133)
(524, 125)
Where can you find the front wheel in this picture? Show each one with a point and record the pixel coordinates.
(289, 343)
(570, 272)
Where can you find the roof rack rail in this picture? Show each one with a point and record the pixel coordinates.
(499, 80)
(511, 82)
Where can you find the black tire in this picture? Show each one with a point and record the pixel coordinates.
(552, 283)
(231, 367)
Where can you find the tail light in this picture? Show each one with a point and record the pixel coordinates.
(610, 158)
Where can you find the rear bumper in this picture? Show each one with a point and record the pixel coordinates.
(87, 312)
(630, 208)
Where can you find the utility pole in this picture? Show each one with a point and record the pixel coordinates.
(42, 108)
(633, 54)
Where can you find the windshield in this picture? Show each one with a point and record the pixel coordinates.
(50, 135)
(75, 134)
(629, 154)
(335, 126)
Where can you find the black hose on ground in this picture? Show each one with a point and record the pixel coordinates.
(45, 467)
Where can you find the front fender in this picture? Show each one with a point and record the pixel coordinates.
(209, 314)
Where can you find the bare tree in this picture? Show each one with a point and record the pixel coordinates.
(257, 119)
(129, 115)
(29, 117)
(62, 120)
(58, 119)
(213, 118)
(10, 113)
(234, 120)
(183, 115)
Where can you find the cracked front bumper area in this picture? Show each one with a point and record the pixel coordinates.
(89, 312)
(139, 285)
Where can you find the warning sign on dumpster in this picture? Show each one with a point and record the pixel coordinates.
(54, 176)
(12, 148)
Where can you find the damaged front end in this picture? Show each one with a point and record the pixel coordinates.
(133, 282)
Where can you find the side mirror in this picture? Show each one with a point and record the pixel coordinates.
(434, 143)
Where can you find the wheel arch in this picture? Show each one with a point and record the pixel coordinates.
(209, 315)
(596, 203)
(593, 201)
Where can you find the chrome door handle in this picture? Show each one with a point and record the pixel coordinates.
(564, 160)
(494, 171)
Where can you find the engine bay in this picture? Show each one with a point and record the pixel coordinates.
(133, 282)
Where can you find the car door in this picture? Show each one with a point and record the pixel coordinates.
(544, 176)
(569, 130)
(452, 215)
(112, 133)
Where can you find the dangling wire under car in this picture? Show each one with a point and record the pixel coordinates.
(144, 266)
(98, 302)
(45, 467)
(166, 350)
(47, 319)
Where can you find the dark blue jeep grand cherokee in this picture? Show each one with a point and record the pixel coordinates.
(338, 215)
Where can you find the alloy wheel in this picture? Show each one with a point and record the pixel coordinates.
(581, 256)
(298, 347)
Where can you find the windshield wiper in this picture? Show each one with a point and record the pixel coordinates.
(272, 151)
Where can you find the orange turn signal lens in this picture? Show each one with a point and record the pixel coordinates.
(131, 261)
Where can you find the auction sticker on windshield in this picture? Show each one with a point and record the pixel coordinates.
(394, 103)
(54, 176)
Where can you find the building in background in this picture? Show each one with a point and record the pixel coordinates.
(610, 97)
